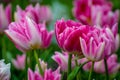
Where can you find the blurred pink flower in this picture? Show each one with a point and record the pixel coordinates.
(5, 17)
(19, 62)
(62, 60)
(103, 15)
(111, 38)
(113, 65)
(38, 13)
(34, 75)
(48, 75)
(95, 12)
(99, 67)
(28, 35)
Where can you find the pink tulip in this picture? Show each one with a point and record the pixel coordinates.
(68, 33)
(62, 60)
(93, 48)
(19, 63)
(103, 15)
(34, 75)
(95, 12)
(100, 43)
(37, 13)
(99, 67)
(5, 17)
(48, 75)
(82, 10)
(28, 35)
(111, 39)
(113, 65)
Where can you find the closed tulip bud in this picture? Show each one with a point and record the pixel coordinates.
(19, 62)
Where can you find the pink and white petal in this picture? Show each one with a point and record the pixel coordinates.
(8, 11)
(100, 50)
(33, 31)
(30, 74)
(83, 47)
(18, 39)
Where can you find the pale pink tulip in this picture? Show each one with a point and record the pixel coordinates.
(62, 60)
(28, 35)
(113, 65)
(19, 62)
(99, 67)
(5, 17)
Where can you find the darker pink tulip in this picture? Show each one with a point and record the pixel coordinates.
(68, 33)
(95, 12)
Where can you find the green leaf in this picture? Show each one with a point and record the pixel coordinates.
(73, 73)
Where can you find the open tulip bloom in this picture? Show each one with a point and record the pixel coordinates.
(28, 35)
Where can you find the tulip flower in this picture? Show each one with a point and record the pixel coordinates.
(5, 17)
(99, 67)
(48, 75)
(92, 49)
(68, 33)
(95, 12)
(4, 71)
(19, 63)
(113, 65)
(62, 60)
(38, 13)
(28, 35)
(111, 38)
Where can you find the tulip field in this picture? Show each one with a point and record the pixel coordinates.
(59, 40)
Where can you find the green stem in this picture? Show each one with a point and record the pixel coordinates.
(76, 62)
(3, 49)
(106, 69)
(91, 70)
(69, 63)
(38, 62)
(26, 67)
